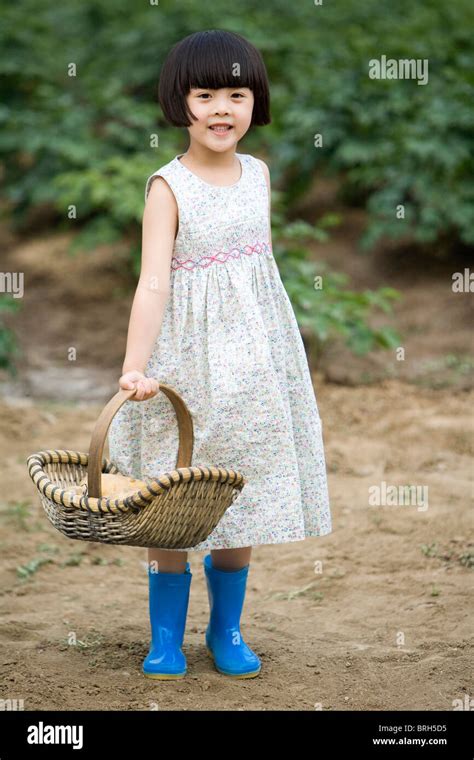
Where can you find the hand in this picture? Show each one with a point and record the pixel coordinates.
(147, 387)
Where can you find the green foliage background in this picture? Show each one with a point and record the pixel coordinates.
(394, 141)
(86, 139)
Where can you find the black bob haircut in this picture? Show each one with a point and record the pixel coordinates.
(208, 59)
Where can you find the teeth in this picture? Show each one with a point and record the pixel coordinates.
(221, 129)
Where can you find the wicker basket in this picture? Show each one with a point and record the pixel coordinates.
(177, 510)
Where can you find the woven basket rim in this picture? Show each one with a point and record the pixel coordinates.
(135, 501)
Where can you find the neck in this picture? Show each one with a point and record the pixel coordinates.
(199, 155)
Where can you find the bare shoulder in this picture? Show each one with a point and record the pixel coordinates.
(161, 209)
(266, 170)
(160, 193)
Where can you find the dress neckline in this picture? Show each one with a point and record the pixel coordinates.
(209, 184)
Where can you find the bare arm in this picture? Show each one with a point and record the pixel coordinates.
(266, 172)
(160, 219)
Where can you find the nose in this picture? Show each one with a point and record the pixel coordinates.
(221, 104)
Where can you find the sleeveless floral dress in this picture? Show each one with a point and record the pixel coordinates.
(230, 345)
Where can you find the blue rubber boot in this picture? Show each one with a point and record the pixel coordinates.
(224, 643)
(168, 603)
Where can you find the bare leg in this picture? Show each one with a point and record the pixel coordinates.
(167, 561)
(231, 559)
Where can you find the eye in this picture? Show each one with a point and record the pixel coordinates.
(207, 95)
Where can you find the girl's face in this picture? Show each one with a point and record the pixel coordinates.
(230, 106)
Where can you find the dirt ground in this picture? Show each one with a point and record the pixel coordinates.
(386, 624)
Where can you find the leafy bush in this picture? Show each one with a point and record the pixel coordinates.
(86, 141)
(390, 141)
(323, 306)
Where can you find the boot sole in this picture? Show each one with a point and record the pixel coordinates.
(232, 675)
(164, 676)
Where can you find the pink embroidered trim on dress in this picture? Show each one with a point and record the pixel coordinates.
(206, 261)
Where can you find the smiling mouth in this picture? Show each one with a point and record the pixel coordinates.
(221, 129)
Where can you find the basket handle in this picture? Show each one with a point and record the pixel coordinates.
(99, 434)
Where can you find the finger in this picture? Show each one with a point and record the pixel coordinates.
(128, 383)
(153, 389)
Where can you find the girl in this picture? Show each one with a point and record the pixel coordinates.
(212, 319)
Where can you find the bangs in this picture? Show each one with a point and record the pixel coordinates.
(217, 62)
(212, 60)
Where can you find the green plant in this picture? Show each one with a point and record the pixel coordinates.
(73, 560)
(330, 309)
(430, 550)
(94, 130)
(307, 591)
(9, 347)
(31, 567)
(17, 512)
